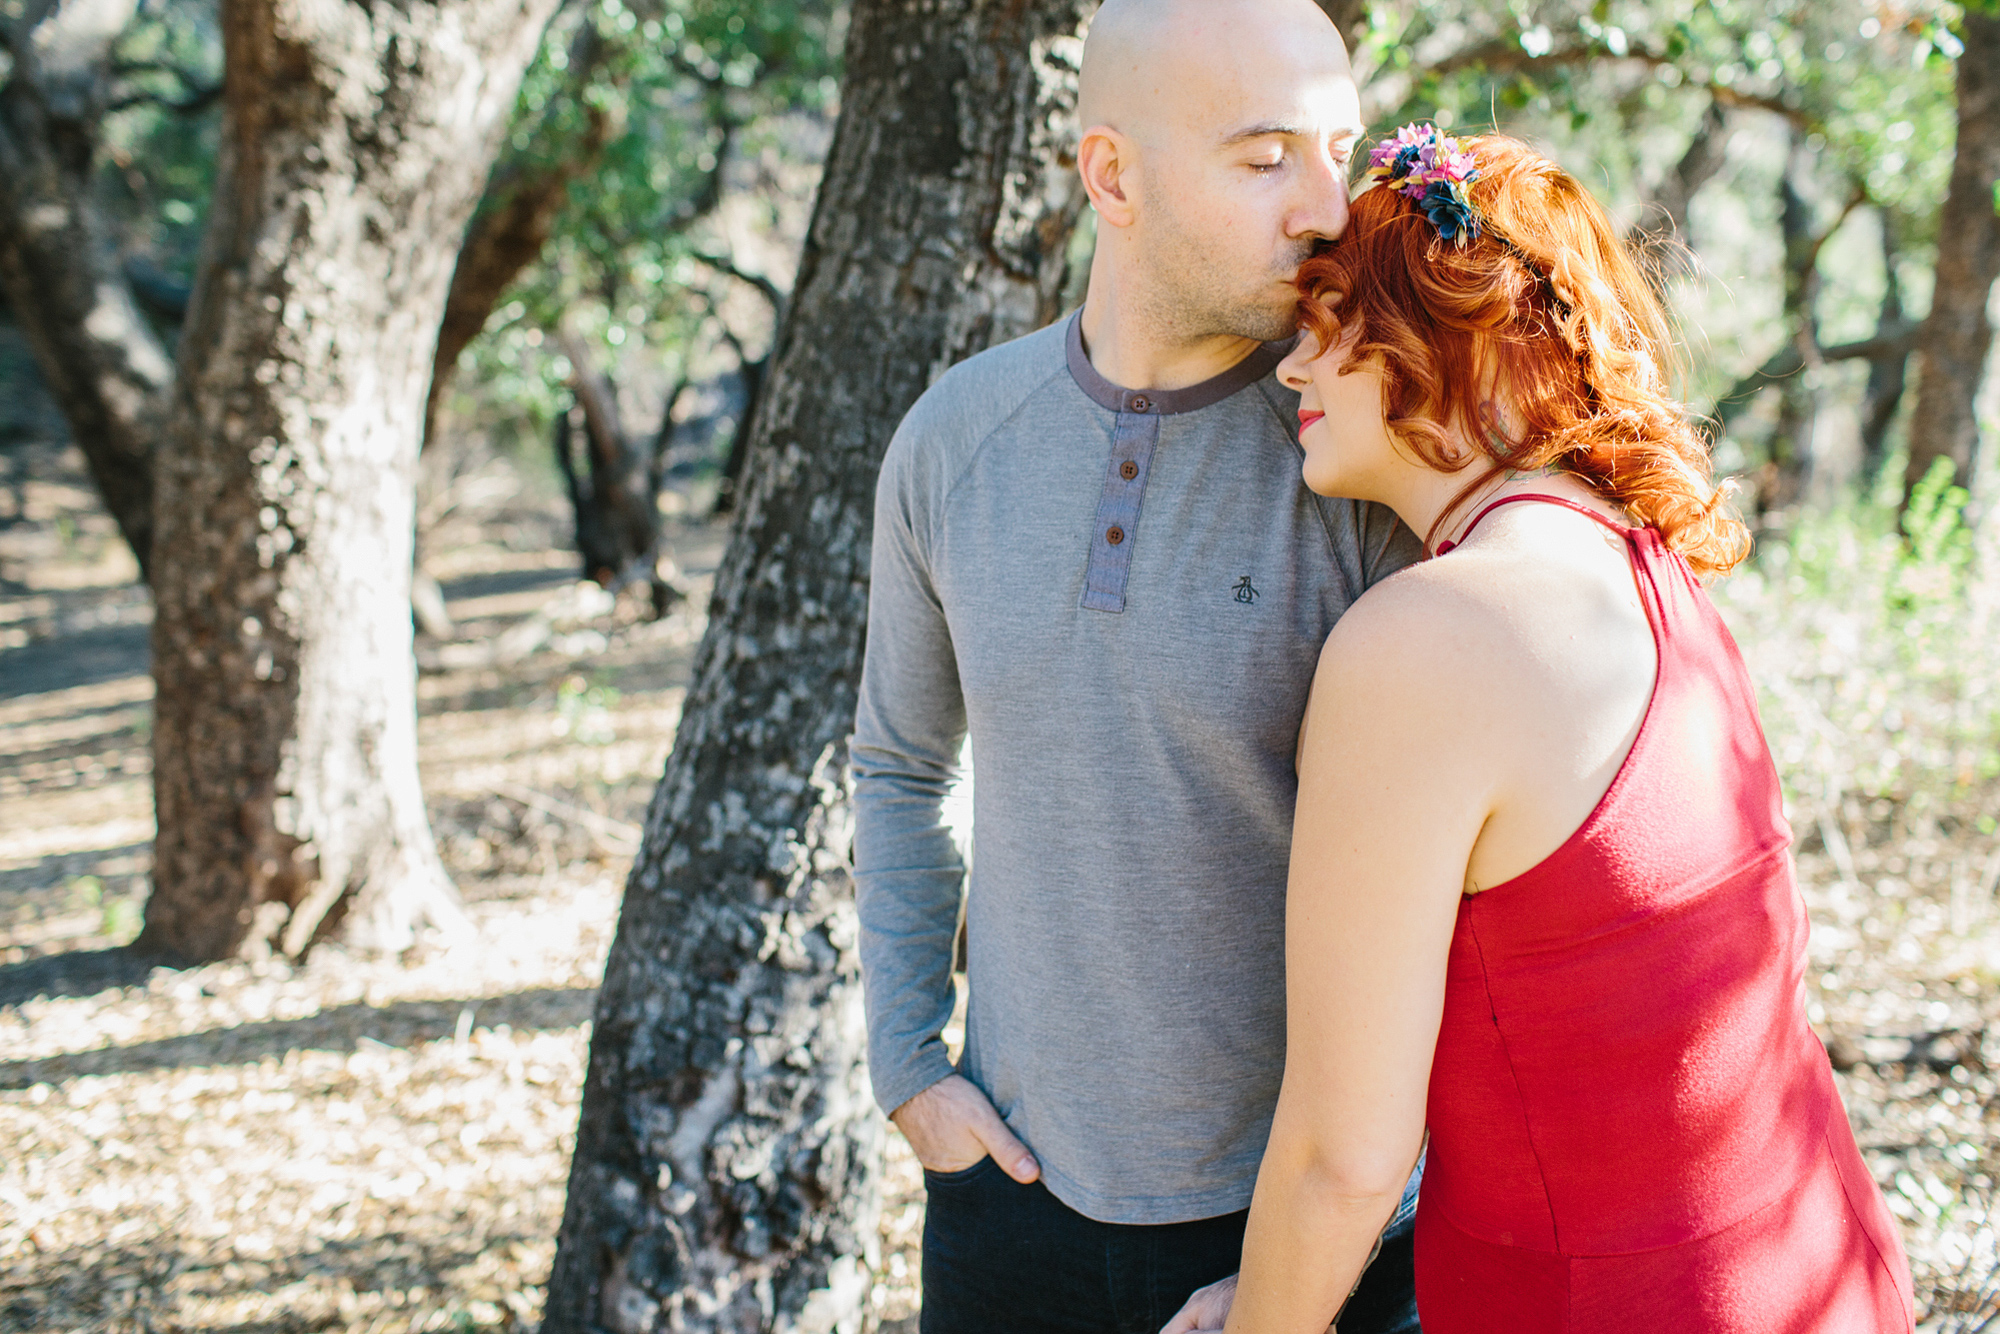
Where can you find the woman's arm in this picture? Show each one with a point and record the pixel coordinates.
(1396, 780)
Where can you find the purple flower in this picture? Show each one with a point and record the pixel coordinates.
(1427, 167)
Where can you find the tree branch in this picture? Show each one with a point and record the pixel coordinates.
(514, 222)
(1893, 340)
(201, 99)
(1505, 55)
(724, 264)
(1855, 199)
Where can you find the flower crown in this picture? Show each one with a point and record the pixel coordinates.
(1426, 166)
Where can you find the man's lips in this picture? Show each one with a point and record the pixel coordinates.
(1307, 417)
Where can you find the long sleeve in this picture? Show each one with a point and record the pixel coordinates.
(909, 727)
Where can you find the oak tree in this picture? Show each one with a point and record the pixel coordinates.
(355, 142)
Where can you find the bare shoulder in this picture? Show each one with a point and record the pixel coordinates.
(1489, 635)
(1399, 687)
(1422, 625)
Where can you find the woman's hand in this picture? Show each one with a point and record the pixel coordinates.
(1207, 1309)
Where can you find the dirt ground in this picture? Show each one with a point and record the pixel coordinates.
(347, 1144)
(353, 1144)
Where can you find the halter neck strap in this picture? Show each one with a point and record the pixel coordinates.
(1563, 501)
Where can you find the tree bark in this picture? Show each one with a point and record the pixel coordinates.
(727, 1150)
(59, 266)
(1957, 335)
(355, 139)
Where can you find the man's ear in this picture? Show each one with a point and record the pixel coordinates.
(1104, 159)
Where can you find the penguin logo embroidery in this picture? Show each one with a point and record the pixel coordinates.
(1244, 592)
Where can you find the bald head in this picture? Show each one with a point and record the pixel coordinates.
(1149, 65)
(1215, 149)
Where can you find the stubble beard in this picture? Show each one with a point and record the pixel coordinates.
(1198, 296)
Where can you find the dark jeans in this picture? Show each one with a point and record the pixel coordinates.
(1003, 1258)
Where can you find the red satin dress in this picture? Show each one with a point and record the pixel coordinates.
(1632, 1128)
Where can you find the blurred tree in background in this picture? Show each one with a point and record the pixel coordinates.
(112, 130)
(1958, 335)
(639, 206)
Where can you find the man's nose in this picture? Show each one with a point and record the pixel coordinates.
(1320, 213)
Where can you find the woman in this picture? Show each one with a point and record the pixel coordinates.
(1540, 896)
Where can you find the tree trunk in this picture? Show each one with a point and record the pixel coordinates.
(1799, 397)
(1957, 335)
(1661, 233)
(1887, 374)
(58, 265)
(518, 213)
(614, 492)
(1794, 447)
(1789, 468)
(751, 374)
(727, 1151)
(355, 140)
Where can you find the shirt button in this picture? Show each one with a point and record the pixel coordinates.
(1114, 534)
(1140, 403)
(1128, 470)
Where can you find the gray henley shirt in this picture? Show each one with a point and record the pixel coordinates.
(1122, 595)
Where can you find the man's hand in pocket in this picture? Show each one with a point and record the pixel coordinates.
(952, 1125)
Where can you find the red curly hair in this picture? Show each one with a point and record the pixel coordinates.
(1549, 296)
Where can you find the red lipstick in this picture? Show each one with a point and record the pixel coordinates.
(1307, 417)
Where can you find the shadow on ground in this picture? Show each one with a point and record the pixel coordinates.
(80, 658)
(76, 973)
(82, 1286)
(343, 1028)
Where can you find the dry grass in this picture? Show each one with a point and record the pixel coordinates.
(360, 1145)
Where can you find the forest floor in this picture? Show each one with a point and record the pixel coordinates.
(346, 1143)
(371, 1145)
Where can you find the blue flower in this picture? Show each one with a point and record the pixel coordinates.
(1450, 211)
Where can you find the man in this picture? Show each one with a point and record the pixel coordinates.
(1093, 552)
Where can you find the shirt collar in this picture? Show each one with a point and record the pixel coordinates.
(1166, 402)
